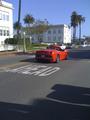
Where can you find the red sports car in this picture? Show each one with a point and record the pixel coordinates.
(53, 53)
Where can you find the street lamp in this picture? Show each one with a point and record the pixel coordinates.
(24, 43)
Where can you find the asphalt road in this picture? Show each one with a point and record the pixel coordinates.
(45, 91)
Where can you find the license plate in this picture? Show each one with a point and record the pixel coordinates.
(42, 56)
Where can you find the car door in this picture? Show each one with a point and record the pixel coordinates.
(63, 54)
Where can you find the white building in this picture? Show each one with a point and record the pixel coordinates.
(6, 21)
(55, 34)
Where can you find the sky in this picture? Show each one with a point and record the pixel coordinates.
(55, 11)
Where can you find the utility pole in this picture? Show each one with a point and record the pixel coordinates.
(19, 11)
(24, 42)
(19, 17)
(19, 14)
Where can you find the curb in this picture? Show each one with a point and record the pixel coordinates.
(7, 53)
(16, 53)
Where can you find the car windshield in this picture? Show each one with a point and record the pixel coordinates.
(55, 47)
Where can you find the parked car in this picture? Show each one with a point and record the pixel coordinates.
(52, 53)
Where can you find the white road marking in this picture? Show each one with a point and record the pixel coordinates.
(69, 103)
(49, 72)
(39, 70)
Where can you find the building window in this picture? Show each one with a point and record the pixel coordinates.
(59, 38)
(49, 32)
(54, 31)
(59, 31)
(3, 16)
(49, 38)
(4, 32)
(54, 38)
(8, 33)
(0, 32)
(7, 17)
(0, 16)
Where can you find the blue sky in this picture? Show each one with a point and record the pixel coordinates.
(55, 11)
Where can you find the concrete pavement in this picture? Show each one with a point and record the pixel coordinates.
(64, 94)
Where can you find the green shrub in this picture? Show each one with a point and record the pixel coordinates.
(39, 45)
(11, 41)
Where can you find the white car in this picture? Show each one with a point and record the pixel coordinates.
(63, 47)
(84, 45)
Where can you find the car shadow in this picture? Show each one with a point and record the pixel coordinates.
(65, 102)
(29, 60)
(33, 60)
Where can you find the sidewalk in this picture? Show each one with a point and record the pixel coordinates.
(10, 53)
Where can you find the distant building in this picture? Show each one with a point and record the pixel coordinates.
(55, 34)
(6, 21)
(87, 39)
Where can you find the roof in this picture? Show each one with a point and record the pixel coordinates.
(6, 4)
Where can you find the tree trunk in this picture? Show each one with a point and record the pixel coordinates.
(74, 34)
(19, 16)
(79, 32)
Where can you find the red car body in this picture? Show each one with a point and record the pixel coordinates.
(53, 53)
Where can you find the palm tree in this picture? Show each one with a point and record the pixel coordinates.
(81, 19)
(28, 20)
(17, 26)
(74, 23)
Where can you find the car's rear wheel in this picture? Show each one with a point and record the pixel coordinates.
(57, 59)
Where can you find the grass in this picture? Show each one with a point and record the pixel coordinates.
(35, 46)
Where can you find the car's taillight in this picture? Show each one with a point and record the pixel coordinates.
(36, 52)
(51, 53)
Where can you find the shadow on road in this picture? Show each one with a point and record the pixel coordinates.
(63, 103)
(32, 60)
(29, 60)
